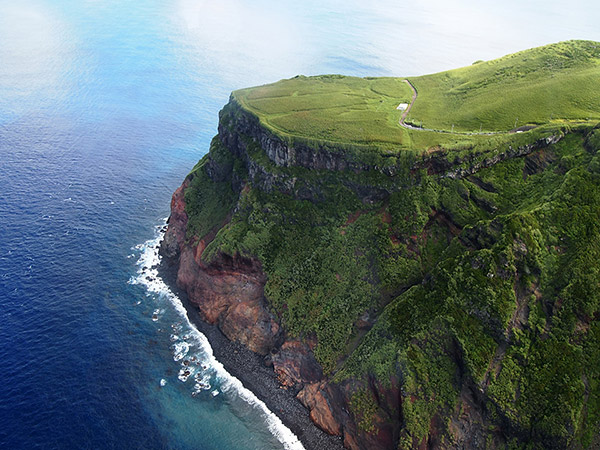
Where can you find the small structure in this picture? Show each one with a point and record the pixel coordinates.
(402, 106)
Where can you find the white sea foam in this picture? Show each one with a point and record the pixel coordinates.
(210, 367)
(180, 350)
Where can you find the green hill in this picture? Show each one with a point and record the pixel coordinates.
(545, 85)
(331, 107)
(538, 86)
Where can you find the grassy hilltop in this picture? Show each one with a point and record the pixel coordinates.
(465, 281)
(538, 86)
(332, 107)
(541, 86)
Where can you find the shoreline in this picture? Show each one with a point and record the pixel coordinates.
(249, 368)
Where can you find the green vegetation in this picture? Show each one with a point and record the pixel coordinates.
(552, 83)
(505, 258)
(331, 108)
(487, 281)
(364, 402)
(543, 239)
(331, 262)
(354, 114)
(556, 84)
(208, 211)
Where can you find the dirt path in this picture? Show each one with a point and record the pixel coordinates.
(412, 102)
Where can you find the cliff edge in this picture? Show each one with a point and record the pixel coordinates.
(444, 296)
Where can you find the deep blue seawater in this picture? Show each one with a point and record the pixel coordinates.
(104, 108)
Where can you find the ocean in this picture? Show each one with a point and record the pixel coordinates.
(104, 108)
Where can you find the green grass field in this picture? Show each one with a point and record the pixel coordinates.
(332, 107)
(537, 86)
(544, 85)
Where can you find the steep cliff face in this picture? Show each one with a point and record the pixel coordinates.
(395, 300)
(229, 292)
(229, 289)
(237, 125)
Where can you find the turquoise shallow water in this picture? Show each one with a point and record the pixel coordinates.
(104, 108)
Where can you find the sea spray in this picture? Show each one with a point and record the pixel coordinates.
(191, 348)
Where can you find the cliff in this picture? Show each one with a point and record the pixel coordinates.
(441, 298)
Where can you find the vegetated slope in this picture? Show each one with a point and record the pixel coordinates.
(450, 299)
(536, 86)
(506, 308)
(482, 290)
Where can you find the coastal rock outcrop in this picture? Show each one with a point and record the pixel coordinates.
(237, 124)
(295, 365)
(174, 239)
(229, 292)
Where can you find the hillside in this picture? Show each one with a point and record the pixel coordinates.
(443, 294)
(543, 85)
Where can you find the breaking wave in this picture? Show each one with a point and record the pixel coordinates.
(191, 349)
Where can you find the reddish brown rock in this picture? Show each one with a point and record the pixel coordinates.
(384, 435)
(296, 365)
(317, 401)
(467, 425)
(385, 420)
(199, 251)
(350, 441)
(248, 322)
(230, 292)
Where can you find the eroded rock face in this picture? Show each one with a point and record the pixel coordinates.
(510, 153)
(467, 423)
(279, 152)
(316, 398)
(385, 422)
(230, 292)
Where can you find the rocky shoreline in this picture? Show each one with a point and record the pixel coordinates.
(252, 371)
